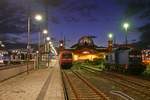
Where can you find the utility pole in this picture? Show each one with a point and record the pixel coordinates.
(28, 37)
(126, 26)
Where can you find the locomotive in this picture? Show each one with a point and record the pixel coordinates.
(65, 59)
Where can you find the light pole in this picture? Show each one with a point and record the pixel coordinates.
(37, 59)
(126, 26)
(39, 18)
(48, 45)
(45, 32)
(28, 39)
(110, 41)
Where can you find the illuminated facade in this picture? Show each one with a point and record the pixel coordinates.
(3, 54)
(87, 54)
(146, 56)
(85, 49)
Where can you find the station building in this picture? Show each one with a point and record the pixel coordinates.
(86, 49)
(146, 56)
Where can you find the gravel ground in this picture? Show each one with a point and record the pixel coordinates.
(107, 86)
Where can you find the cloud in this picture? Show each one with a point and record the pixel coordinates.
(76, 10)
(55, 19)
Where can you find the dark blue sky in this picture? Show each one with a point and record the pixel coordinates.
(76, 18)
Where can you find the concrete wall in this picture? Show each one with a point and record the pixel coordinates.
(12, 72)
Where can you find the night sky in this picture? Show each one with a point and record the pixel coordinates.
(76, 18)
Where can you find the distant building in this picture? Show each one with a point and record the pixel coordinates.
(20, 55)
(119, 56)
(85, 49)
(146, 56)
(3, 56)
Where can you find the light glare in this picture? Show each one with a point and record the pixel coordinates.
(45, 31)
(126, 25)
(47, 38)
(110, 35)
(38, 17)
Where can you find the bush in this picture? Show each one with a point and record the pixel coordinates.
(115, 67)
(98, 61)
(147, 71)
(136, 69)
(76, 65)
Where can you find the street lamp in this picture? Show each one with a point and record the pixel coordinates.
(110, 41)
(47, 38)
(50, 42)
(110, 36)
(126, 26)
(38, 17)
(61, 44)
(2, 45)
(45, 31)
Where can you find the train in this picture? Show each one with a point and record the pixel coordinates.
(14, 57)
(65, 59)
(4, 57)
(126, 60)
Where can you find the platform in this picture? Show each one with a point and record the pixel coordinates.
(41, 84)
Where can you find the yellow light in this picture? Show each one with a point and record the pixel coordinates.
(50, 42)
(75, 57)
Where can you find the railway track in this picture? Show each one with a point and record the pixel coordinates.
(132, 81)
(79, 88)
(10, 66)
(140, 89)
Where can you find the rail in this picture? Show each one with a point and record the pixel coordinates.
(130, 84)
(66, 97)
(82, 89)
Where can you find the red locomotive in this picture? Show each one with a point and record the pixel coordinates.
(65, 59)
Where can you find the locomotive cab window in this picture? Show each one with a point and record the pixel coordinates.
(66, 56)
